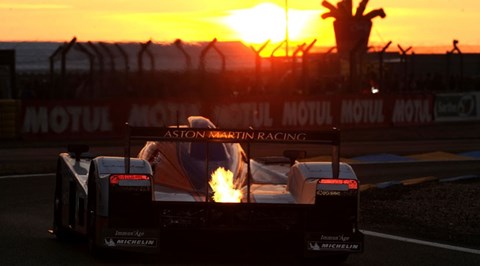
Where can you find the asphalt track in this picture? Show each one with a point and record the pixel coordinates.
(26, 215)
(26, 209)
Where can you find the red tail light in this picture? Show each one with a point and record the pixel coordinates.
(115, 179)
(352, 184)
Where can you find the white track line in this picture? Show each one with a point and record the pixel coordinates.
(25, 176)
(421, 242)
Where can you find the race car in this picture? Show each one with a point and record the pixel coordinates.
(197, 187)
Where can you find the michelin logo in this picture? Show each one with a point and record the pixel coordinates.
(130, 242)
(314, 245)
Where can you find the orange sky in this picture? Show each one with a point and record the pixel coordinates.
(408, 22)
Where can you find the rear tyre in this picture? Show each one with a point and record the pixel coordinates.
(60, 231)
(94, 249)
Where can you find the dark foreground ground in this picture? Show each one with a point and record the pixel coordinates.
(433, 211)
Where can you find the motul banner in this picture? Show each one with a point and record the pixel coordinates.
(105, 119)
(314, 113)
(98, 119)
(68, 119)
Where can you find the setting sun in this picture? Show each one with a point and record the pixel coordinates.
(409, 22)
(267, 21)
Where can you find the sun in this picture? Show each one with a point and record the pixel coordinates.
(266, 21)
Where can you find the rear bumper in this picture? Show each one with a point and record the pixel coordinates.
(288, 228)
(306, 244)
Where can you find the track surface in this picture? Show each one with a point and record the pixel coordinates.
(26, 214)
(26, 208)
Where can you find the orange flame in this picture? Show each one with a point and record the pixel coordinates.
(223, 188)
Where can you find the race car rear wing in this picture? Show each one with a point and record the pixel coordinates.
(183, 134)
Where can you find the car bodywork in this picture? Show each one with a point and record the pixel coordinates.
(161, 199)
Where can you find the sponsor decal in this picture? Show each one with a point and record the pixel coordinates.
(411, 111)
(242, 115)
(67, 119)
(135, 233)
(455, 106)
(307, 113)
(160, 113)
(360, 111)
(235, 135)
(342, 238)
(130, 242)
(318, 245)
(334, 242)
(328, 193)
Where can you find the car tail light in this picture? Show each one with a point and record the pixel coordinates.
(130, 180)
(332, 183)
(337, 187)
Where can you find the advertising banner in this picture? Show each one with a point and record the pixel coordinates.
(106, 119)
(70, 119)
(98, 119)
(455, 107)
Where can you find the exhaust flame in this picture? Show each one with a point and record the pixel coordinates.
(223, 188)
